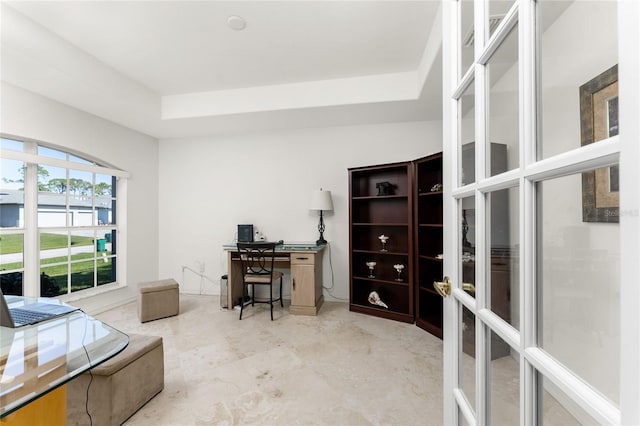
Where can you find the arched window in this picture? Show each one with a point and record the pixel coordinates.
(58, 220)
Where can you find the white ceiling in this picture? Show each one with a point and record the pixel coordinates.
(174, 68)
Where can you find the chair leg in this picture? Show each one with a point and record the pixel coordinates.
(244, 292)
(271, 299)
(281, 304)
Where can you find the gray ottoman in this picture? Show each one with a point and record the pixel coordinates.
(120, 385)
(158, 299)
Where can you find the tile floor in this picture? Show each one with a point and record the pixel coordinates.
(339, 368)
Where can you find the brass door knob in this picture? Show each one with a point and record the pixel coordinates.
(443, 288)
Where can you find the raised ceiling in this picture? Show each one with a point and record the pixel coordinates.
(175, 68)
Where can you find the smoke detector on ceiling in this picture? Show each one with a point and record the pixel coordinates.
(494, 21)
(236, 22)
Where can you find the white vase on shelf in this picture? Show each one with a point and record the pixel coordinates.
(399, 267)
(383, 239)
(371, 265)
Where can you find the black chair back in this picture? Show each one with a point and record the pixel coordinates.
(256, 263)
(257, 258)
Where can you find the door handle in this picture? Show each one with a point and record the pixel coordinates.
(443, 288)
(469, 287)
(293, 284)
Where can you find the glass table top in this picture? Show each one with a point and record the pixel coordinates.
(37, 359)
(286, 246)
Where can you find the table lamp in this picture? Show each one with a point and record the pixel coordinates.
(321, 200)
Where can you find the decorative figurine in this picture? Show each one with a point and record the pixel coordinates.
(383, 239)
(374, 299)
(398, 267)
(437, 187)
(371, 266)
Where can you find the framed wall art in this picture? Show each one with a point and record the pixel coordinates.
(598, 121)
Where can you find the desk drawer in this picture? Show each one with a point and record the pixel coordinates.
(303, 258)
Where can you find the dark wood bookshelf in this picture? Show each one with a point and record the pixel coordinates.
(411, 215)
(372, 214)
(428, 242)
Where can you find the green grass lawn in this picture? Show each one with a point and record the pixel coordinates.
(14, 243)
(81, 272)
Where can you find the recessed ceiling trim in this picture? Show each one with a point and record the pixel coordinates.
(344, 91)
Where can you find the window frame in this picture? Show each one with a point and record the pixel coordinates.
(31, 229)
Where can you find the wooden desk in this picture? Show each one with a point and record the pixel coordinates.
(305, 262)
(36, 361)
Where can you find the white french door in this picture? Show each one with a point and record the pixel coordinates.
(542, 211)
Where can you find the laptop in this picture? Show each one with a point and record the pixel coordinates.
(31, 313)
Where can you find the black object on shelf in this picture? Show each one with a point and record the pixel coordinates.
(384, 188)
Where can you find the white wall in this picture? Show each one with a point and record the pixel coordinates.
(32, 116)
(209, 185)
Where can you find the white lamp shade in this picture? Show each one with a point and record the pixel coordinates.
(321, 200)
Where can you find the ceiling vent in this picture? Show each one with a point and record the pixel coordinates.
(494, 21)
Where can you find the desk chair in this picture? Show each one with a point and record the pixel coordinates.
(256, 264)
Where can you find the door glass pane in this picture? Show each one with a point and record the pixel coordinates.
(556, 409)
(503, 106)
(468, 236)
(571, 32)
(579, 280)
(467, 105)
(467, 356)
(462, 421)
(504, 377)
(467, 35)
(505, 245)
(497, 10)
